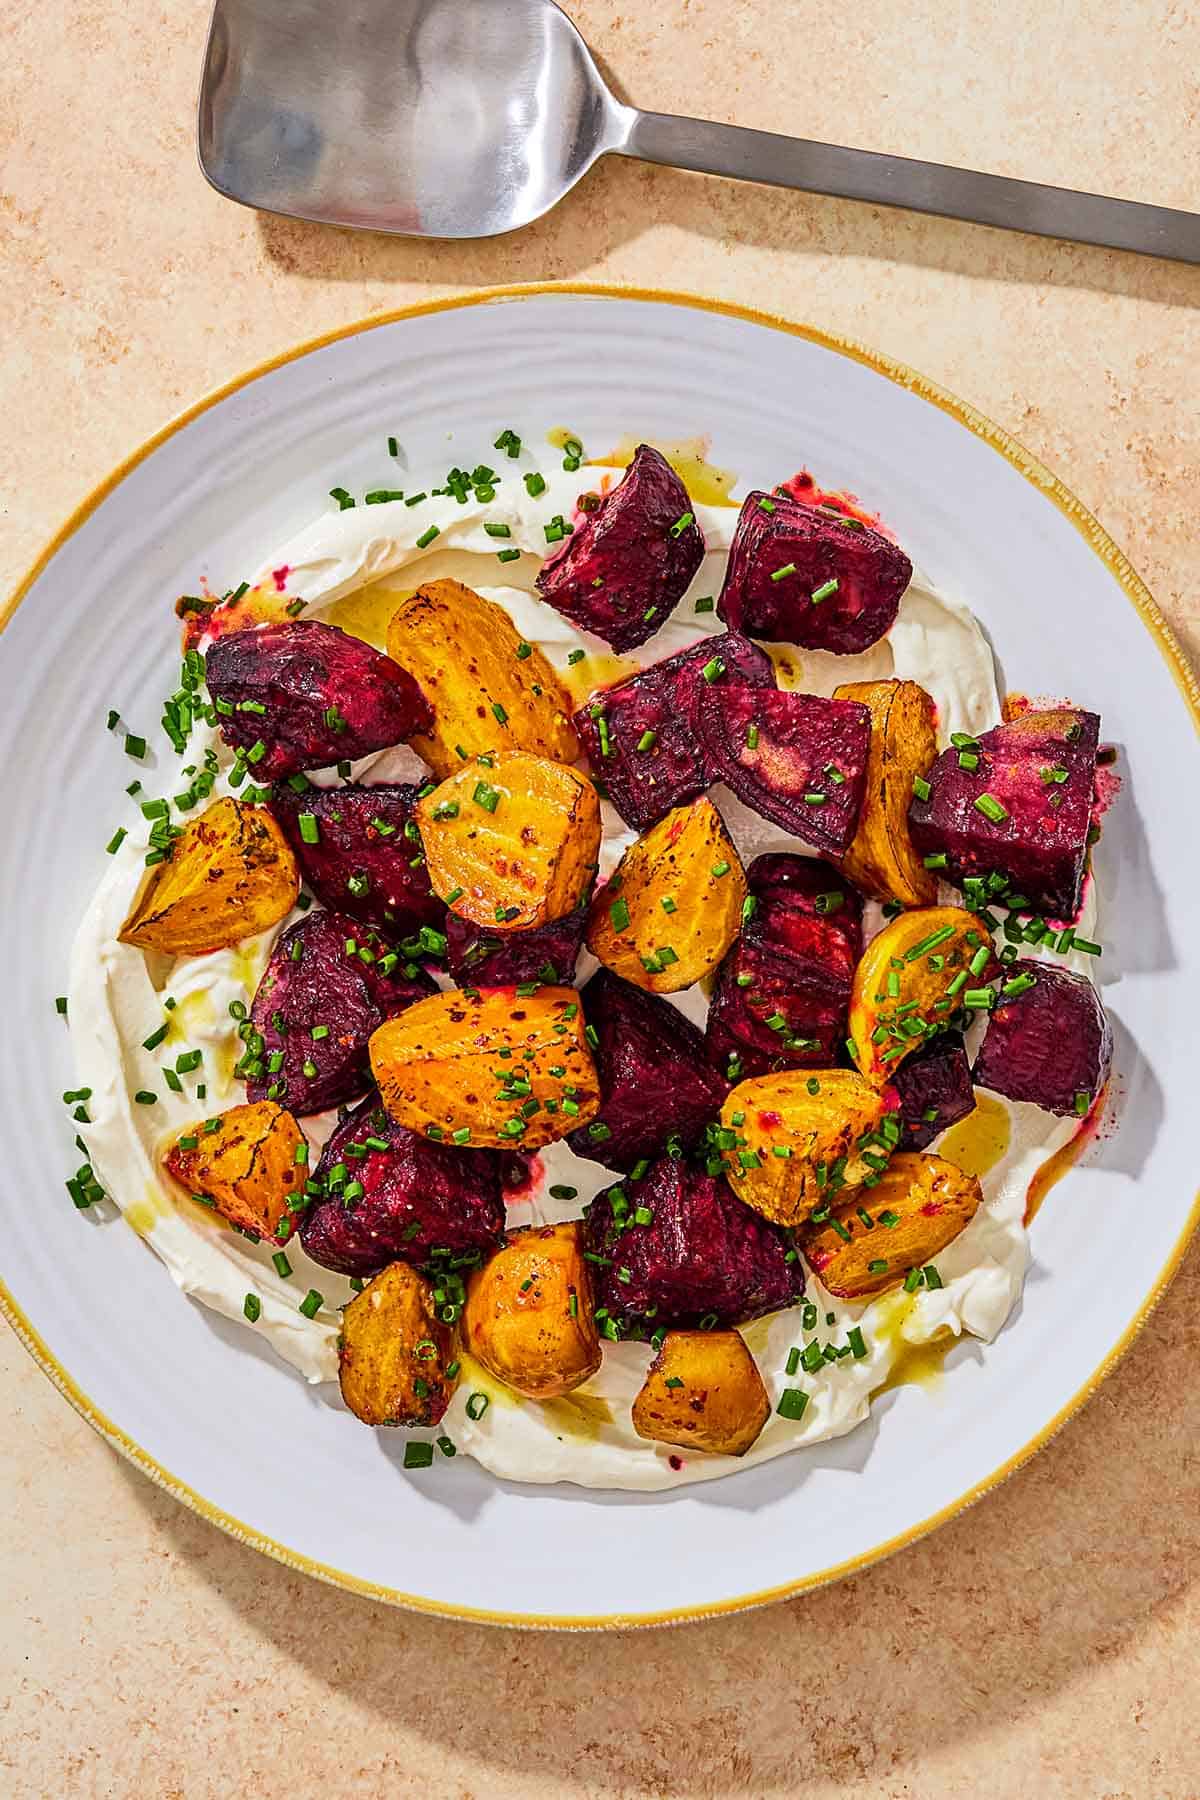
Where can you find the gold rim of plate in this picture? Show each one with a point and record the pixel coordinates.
(1134, 587)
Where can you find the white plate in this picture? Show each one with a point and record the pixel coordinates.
(217, 1419)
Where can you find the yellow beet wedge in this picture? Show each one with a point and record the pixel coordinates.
(493, 1068)
(910, 979)
(881, 859)
(703, 1391)
(674, 904)
(395, 1353)
(511, 840)
(873, 1237)
(230, 875)
(489, 689)
(530, 1317)
(790, 1141)
(245, 1164)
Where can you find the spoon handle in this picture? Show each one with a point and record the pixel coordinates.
(746, 155)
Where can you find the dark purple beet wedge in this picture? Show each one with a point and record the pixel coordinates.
(1018, 803)
(638, 733)
(801, 576)
(782, 995)
(702, 1257)
(360, 853)
(479, 958)
(392, 1195)
(330, 983)
(796, 759)
(655, 1085)
(1048, 1040)
(934, 1089)
(628, 563)
(807, 910)
(311, 695)
(770, 1013)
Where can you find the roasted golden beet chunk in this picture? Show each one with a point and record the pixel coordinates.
(229, 875)
(302, 695)
(391, 1195)
(330, 983)
(638, 733)
(703, 1392)
(360, 852)
(1018, 803)
(395, 1355)
(799, 575)
(934, 1089)
(1048, 1040)
(654, 1083)
(796, 759)
(478, 957)
(869, 1239)
(245, 1163)
(700, 1256)
(628, 563)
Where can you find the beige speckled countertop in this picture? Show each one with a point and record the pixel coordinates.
(1046, 1643)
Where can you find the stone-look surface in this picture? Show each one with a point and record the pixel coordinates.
(1046, 1642)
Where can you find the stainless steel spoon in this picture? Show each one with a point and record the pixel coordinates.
(467, 118)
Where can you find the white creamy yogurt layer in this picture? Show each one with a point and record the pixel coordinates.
(340, 566)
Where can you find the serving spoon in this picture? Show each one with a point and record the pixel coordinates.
(468, 118)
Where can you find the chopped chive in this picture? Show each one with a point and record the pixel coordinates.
(312, 1303)
(824, 592)
(135, 746)
(282, 1266)
(932, 1278)
(991, 808)
(782, 573)
(417, 1454)
(344, 499)
(486, 796)
(252, 1307)
(921, 788)
(618, 912)
(496, 528)
(477, 1405)
(912, 1281)
(712, 671)
(426, 538)
(1083, 1101)
(792, 1403)
(647, 740)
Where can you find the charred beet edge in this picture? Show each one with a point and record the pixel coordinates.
(401, 1202)
(1021, 807)
(628, 563)
(655, 1086)
(638, 733)
(310, 695)
(800, 576)
(934, 1086)
(703, 1258)
(1048, 1040)
(796, 759)
(783, 992)
(478, 958)
(330, 983)
(366, 859)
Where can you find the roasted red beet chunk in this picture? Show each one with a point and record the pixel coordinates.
(703, 1256)
(768, 1013)
(1023, 810)
(316, 1007)
(934, 1086)
(311, 695)
(783, 992)
(802, 576)
(362, 863)
(392, 1195)
(807, 908)
(628, 564)
(654, 1083)
(797, 759)
(479, 958)
(639, 736)
(1048, 1040)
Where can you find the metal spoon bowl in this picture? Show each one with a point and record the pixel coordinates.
(469, 118)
